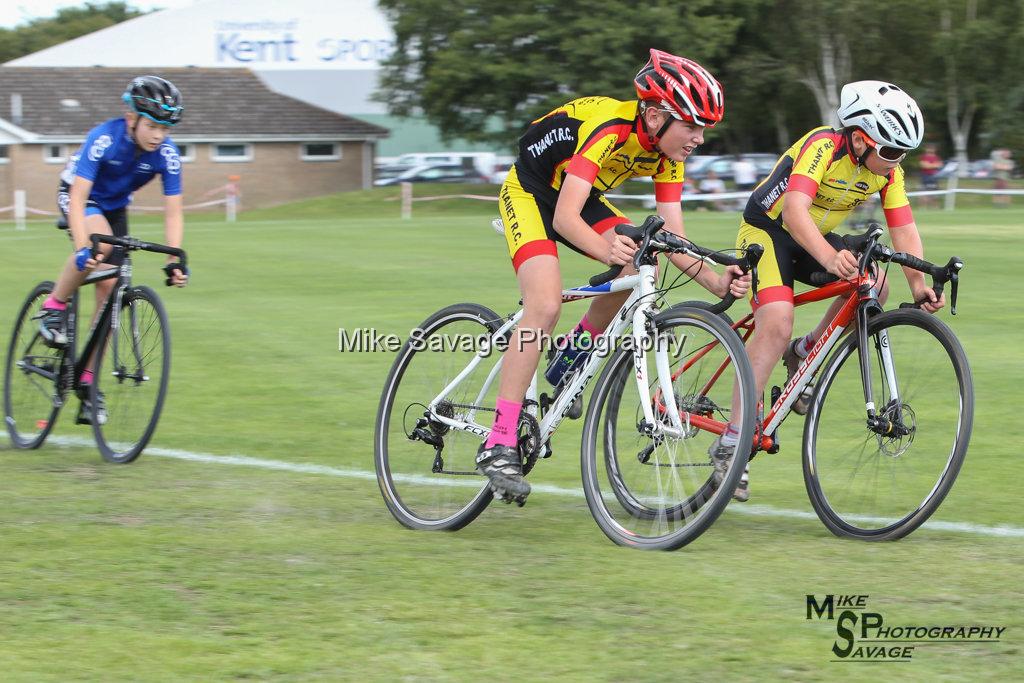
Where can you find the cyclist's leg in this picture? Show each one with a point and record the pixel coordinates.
(535, 259)
(70, 277)
(773, 314)
(806, 265)
(773, 324)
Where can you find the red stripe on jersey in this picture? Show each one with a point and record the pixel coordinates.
(583, 167)
(606, 224)
(837, 138)
(898, 217)
(801, 183)
(621, 132)
(668, 192)
(531, 249)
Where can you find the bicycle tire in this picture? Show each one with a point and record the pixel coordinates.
(134, 397)
(30, 411)
(844, 501)
(417, 496)
(632, 501)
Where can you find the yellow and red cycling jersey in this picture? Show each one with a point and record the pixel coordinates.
(595, 138)
(822, 165)
(598, 139)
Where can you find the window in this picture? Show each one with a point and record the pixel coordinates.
(320, 151)
(231, 151)
(187, 151)
(55, 154)
(5, 154)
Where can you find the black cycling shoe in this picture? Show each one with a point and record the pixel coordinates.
(87, 412)
(52, 327)
(504, 468)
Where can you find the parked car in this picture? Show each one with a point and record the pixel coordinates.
(697, 169)
(976, 168)
(429, 173)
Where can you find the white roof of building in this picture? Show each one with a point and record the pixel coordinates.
(261, 35)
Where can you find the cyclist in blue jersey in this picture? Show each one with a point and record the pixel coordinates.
(117, 158)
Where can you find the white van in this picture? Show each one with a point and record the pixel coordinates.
(491, 166)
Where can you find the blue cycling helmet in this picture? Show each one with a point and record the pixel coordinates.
(155, 98)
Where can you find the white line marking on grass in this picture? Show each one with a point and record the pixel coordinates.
(1004, 531)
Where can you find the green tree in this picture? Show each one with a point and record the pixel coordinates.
(482, 69)
(69, 22)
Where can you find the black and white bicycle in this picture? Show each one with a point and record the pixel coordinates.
(647, 475)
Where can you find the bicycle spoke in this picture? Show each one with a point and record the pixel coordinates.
(430, 481)
(875, 483)
(660, 491)
(31, 398)
(132, 377)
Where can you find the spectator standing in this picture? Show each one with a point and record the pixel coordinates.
(930, 164)
(1002, 167)
(712, 184)
(745, 174)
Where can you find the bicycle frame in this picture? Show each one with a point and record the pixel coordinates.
(637, 311)
(108, 312)
(861, 301)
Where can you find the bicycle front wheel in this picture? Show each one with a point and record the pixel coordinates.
(425, 468)
(661, 492)
(31, 377)
(131, 374)
(881, 486)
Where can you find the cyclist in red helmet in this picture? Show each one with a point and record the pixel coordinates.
(554, 194)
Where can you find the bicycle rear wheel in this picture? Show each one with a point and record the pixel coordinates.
(131, 373)
(32, 399)
(661, 493)
(423, 487)
(881, 487)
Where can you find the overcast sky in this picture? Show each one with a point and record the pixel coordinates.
(14, 12)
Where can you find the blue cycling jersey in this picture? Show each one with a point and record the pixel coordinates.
(117, 166)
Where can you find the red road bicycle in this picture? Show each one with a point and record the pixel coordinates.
(876, 468)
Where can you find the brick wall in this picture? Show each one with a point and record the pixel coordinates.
(275, 175)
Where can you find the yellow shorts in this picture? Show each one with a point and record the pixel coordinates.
(784, 261)
(529, 219)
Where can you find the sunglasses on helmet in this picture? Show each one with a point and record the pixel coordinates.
(884, 152)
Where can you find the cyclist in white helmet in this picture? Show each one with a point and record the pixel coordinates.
(792, 213)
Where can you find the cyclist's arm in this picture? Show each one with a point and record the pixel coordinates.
(796, 214)
(79, 196)
(174, 222)
(570, 224)
(906, 238)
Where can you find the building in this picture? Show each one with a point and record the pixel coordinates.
(234, 125)
(325, 53)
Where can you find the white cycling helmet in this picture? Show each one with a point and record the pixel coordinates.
(887, 114)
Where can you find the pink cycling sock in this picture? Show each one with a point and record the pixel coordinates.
(86, 377)
(52, 303)
(506, 422)
(587, 326)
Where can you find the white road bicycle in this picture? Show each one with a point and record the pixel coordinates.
(647, 475)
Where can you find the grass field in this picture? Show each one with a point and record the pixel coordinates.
(215, 569)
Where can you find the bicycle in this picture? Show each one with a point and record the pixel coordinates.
(129, 336)
(647, 477)
(866, 464)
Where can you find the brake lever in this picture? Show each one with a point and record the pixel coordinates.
(953, 283)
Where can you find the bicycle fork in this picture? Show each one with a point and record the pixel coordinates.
(890, 422)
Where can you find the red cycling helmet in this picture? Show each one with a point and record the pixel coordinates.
(682, 87)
